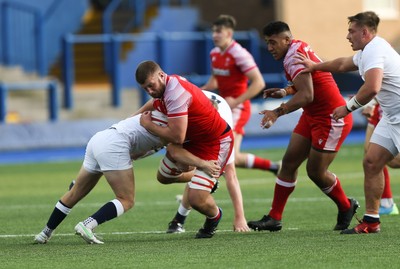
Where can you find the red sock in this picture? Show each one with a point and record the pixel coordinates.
(261, 163)
(387, 191)
(281, 194)
(336, 193)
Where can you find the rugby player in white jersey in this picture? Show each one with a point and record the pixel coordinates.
(110, 153)
(378, 65)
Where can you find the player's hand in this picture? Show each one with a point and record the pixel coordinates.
(240, 226)
(269, 118)
(231, 101)
(145, 119)
(274, 93)
(368, 111)
(340, 112)
(211, 168)
(184, 167)
(302, 59)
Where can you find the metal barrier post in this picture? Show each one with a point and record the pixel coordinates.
(3, 103)
(53, 101)
(68, 71)
(39, 43)
(115, 45)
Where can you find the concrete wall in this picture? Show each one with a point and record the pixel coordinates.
(323, 24)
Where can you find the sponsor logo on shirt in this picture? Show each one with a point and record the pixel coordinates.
(221, 72)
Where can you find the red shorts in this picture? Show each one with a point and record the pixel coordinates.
(376, 117)
(241, 115)
(216, 150)
(324, 132)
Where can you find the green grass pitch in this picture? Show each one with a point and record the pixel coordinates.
(137, 239)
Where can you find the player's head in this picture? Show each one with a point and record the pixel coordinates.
(151, 78)
(368, 19)
(222, 30)
(278, 37)
(362, 29)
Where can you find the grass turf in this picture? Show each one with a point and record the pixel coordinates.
(137, 239)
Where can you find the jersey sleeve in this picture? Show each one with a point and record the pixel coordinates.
(244, 60)
(291, 68)
(372, 58)
(177, 100)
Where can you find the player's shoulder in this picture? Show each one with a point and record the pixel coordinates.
(238, 50)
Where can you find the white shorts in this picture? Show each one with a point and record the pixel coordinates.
(107, 150)
(387, 136)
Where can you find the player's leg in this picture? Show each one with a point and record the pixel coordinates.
(202, 201)
(249, 160)
(381, 150)
(123, 185)
(241, 115)
(296, 152)
(84, 183)
(317, 170)
(176, 224)
(387, 205)
(168, 172)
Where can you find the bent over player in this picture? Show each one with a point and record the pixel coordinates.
(110, 153)
(193, 123)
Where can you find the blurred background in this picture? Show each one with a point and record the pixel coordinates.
(66, 66)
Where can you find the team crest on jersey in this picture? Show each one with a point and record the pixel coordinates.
(227, 61)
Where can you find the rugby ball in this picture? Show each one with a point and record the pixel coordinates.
(159, 118)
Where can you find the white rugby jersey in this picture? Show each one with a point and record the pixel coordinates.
(142, 142)
(378, 53)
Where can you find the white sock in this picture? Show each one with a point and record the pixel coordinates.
(183, 211)
(90, 223)
(387, 202)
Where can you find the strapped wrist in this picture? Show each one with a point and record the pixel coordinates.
(353, 104)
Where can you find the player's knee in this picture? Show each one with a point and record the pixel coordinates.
(315, 174)
(195, 200)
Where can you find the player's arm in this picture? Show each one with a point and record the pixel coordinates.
(174, 132)
(256, 85)
(279, 92)
(186, 158)
(372, 85)
(233, 186)
(211, 84)
(343, 64)
(304, 95)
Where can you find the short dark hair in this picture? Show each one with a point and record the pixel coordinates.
(145, 69)
(227, 21)
(367, 18)
(276, 27)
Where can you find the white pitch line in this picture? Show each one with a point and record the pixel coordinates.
(117, 233)
(174, 202)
